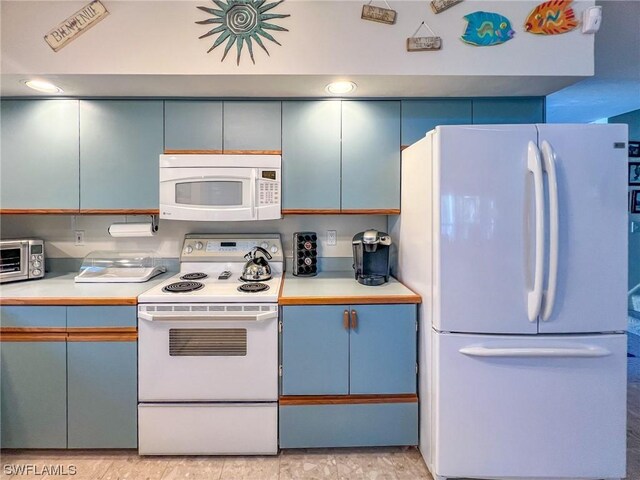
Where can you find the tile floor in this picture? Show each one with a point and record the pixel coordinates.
(343, 464)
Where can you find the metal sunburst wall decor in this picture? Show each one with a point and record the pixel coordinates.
(242, 22)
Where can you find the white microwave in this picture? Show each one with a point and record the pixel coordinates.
(220, 187)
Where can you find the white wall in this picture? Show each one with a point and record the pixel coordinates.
(325, 37)
(58, 231)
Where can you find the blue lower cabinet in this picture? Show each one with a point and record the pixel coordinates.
(33, 395)
(96, 316)
(383, 350)
(102, 394)
(352, 425)
(315, 351)
(28, 316)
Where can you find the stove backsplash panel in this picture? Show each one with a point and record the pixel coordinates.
(63, 254)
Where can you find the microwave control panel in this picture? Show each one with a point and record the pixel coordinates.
(269, 187)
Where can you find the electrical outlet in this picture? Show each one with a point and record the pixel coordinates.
(332, 238)
(79, 237)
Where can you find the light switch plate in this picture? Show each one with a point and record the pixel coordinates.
(79, 237)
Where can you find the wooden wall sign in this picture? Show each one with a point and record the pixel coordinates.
(441, 5)
(76, 25)
(379, 14)
(421, 44)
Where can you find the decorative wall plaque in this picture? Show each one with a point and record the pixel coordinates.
(379, 14)
(242, 22)
(439, 6)
(420, 44)
(485, 29)
(76, 25)
(551, 18)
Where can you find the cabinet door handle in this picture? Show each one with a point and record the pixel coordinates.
(354, 319)
(345, 319)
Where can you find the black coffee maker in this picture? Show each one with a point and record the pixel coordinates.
(371, 257)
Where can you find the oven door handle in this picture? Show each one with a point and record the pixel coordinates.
(207, 317)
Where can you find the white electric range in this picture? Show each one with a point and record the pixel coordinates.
(208, 353)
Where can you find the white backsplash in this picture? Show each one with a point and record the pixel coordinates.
(58, 232)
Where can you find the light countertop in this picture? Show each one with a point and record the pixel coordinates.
(60, 289)
(336, 288)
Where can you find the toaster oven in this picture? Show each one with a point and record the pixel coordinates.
(21, 260)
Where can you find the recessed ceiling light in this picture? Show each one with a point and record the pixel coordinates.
(340, 88)
(42, 86)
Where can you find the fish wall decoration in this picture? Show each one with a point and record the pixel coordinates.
(551, 18)
(485, 29)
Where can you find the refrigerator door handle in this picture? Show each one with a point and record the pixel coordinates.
(549, 163)
(587, 351)
(534, 299)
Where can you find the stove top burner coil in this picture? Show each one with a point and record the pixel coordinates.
(194, 276)
(253, 287)
(183, 287)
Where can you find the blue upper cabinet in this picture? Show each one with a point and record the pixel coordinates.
(252, 127)
(370, 155)
(120, 142)
(508, 110)
(311, 154)
(383, 350)
(421, 116)
(39, 155)
(193, 125)
(315, 351)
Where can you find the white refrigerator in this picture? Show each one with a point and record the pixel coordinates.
(515, 236)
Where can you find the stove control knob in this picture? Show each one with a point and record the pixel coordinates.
(264, 245)
(188, 249)
(274, 249)
(199, 245)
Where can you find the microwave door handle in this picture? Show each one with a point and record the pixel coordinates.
(204, 317)
(254, 184)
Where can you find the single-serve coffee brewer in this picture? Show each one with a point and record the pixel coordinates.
(371, 257)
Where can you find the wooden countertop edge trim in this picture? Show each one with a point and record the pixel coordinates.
(39, 211)
(192, 152)
(54, 334)
(370, 211)
(119, 211)
(222, 152)
(33, 337)
(12, 330)
(102, 337)
(346, 399)
(252, 152)
(82, 211)
(73, 301)
(352, 300)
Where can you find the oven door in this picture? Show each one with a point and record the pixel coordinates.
(208, 194)
(198, 353)
(14, 261)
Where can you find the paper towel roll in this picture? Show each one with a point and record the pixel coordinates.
(131, 230)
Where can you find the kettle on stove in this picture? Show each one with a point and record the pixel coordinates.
(257, 268)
